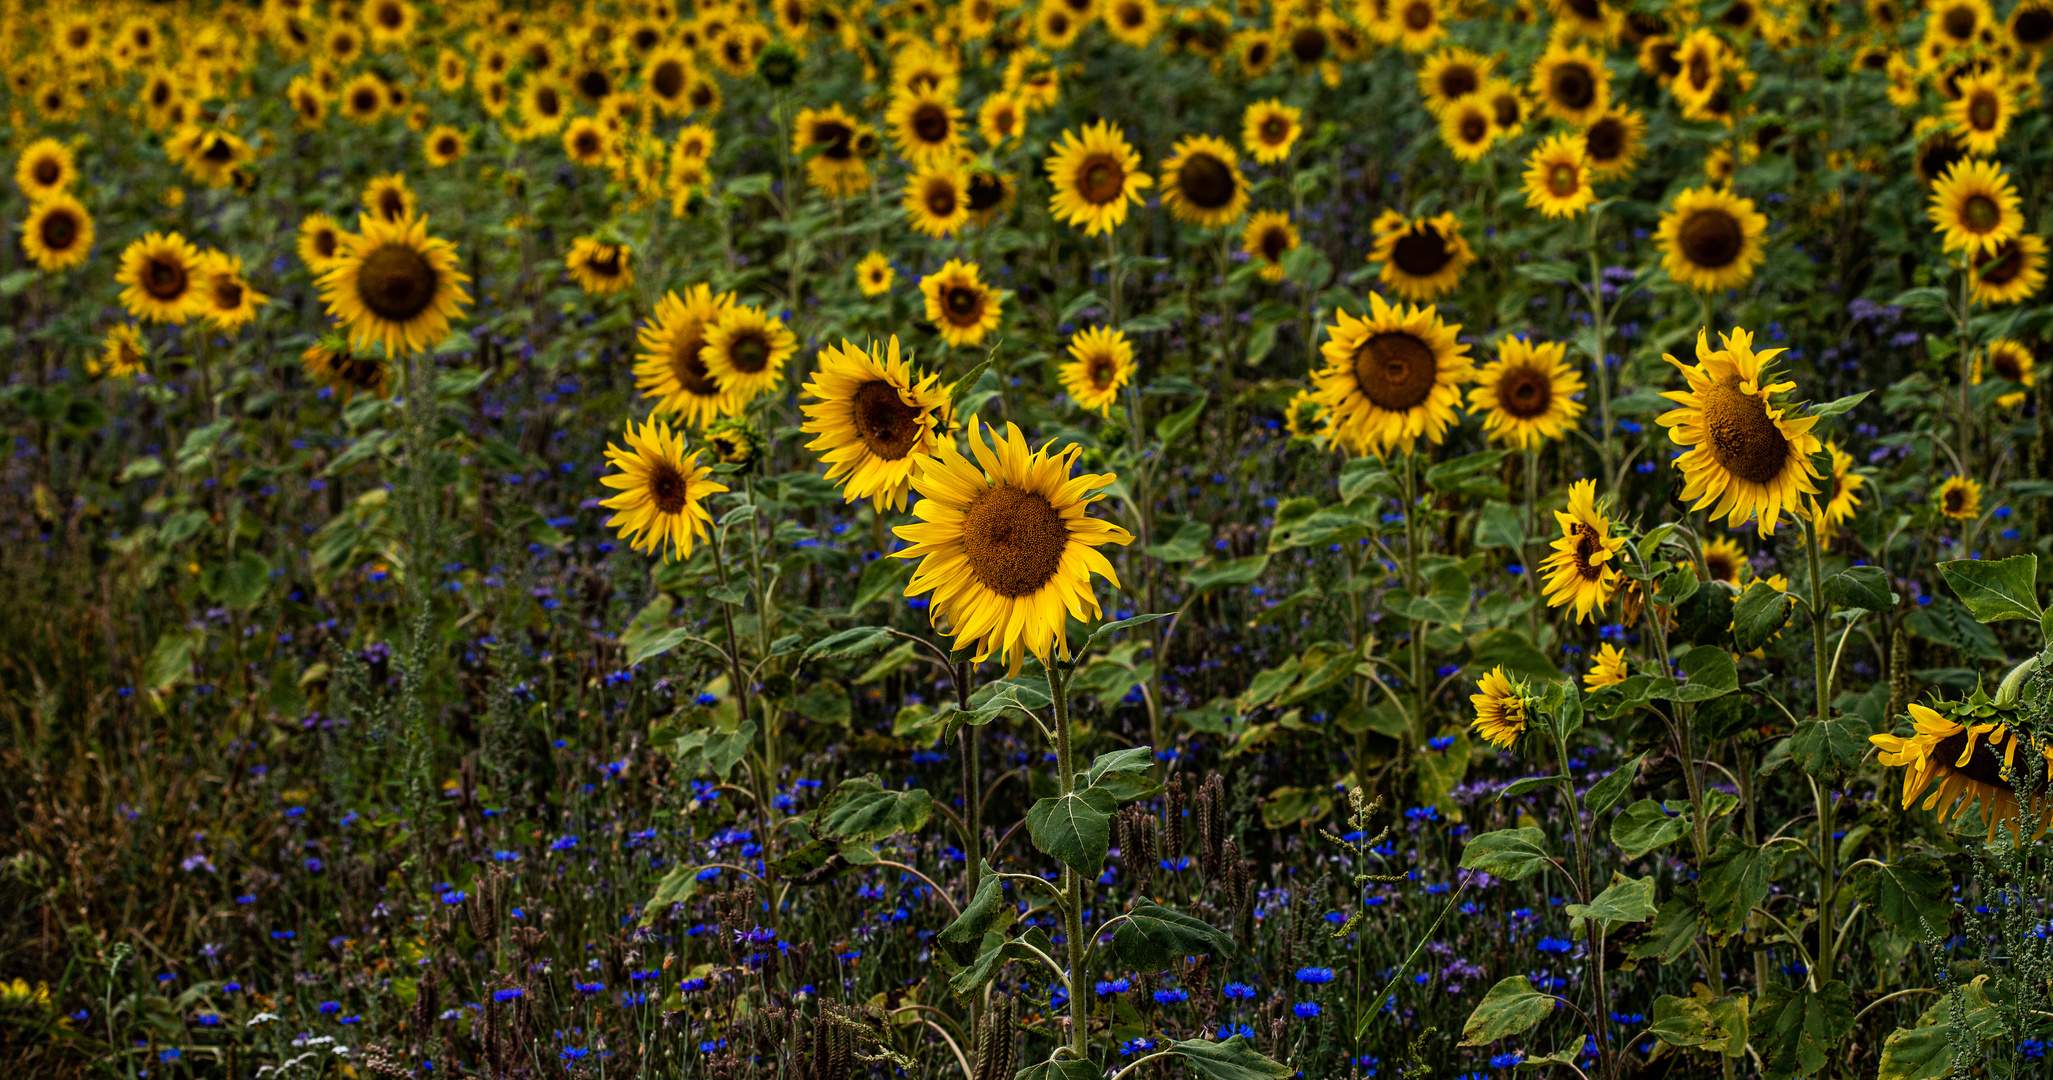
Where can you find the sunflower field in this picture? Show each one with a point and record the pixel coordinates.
(1026, 539)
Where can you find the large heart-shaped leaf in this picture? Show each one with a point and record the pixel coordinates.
(1076, 828)
(1154, 937)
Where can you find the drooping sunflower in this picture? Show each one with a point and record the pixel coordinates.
(1842, 489)
(1959, 498)
(1202, 184)
(2011, 361)
(2013, 272)
(1096, 176)
(1423, 258)
(961, 307)
(161, 272)
(670, 368)
(878, 420)
(1303, 417)
(226, 299)
(663, 491)
(926, 125)
(1391, 378)
(320, 242)
(1582, 570)
(1711, 239)
(1975, 207)
(1526, 396)
(1745, 458)
(1500, 707)
(1268, 129)
(1613, 143)
(1469, 128)
(1980, 117)
(124, 354)
(600, 267)
(1100, 366)
(1607, 668)
(1006, 545)
(389, 199)
(1725, 560)
(937, 198)
(826, 138)
(58, 233)
(1268, 236)
(45, 168)
(333, 364)
(745, 351)
(1452, 74)
(1970, 763)
(873, 275)
(734, 441)
(1557, 177)
(1572, 85)
(395, 284)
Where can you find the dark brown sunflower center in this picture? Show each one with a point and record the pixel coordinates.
(1588, 10)
(1980, 213)
(1101, 179)
(2033, 27)
(1959, 22)
(930, 123)
(1739, 16)
(548, 102)
(668, 79)
(1587, 545)
(702, 95)
(1458, 81)
(1014, 540)
(963, 305)
(941, 199)
(606, 263)
(160, 94)
(227, 293)
(1721, 567)
(1395, 370)
(1507, 109)
(396, 282)
(667, 488)
(361, 372)
(1275, 128)
(1058, 24)
(985, 192)
(1131, 16)
(1418, 16)
(391, 204)
(2002, 266)
(1983, 111)
(60, 230)
(2006, 366)
(1984, 766)
(1422, 252)
(750, 353)
(1573, 87)
(1206, 182)
(1563, 180)
(364, 100)
(1604, 142)
(1525, 393)
(325, 243)
(594, 84)
(164, 278)
(1474, 128)
(391, 16)
(687, 367)
(1700, 70)
(1103, 371)
(1274, 243)
(47, 171)
(446, 146)
(1308, 45)
(1743, 440)
(1711, 238)
(885, 424)
(309, 106)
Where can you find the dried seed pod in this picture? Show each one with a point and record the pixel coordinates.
(1172, 845)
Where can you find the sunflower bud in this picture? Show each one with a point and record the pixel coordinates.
(735, 441)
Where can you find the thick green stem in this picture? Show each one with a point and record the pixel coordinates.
(1072, 882)
(1828, 848)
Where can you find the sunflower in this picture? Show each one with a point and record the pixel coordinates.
(44, 169)
(925, 125)
(124, 354)
(395, 284)
(1268, 236)
(1096, 176)
(1612, 144)
(1452, 74)
(389, 22)
(1500, 709)
(667, 76)
(1255, 50)
(363, 98)
(694, 141)
(991, 194)
(2030, 26)
(703, 94)
(2010, 361)
(1006, 546)
(1842, 494)
(587, 142)
(959, 304)
(2012, 272)
(1573, 85)
(1980, 117)
(937, 198)
(1557, 177)
(1583, 569)
(161, 272)
(1202, 184)
(663, 491)
(334, 365)
(1711, 239)
(745, 351)
(209, 155)
(1607, 668)
(734, 441)
(389, 199)
(1100, 366)
(309, 105)
(1957, 24)
(1469, 128)
(670, 367)
(58, 233)
(1422, 258)
(226, 299)
(1970, 763)
(878, 420)
(1959, 498)
(1725, 560)
(1905, 89)
(1700, 62)
(320, 242)
(599, 267)
(1268, 129)
(1392, 377)
(1526, 397)
(873, 275)
(1657, 59)
(1976, 207)
(1033, 78)
(544, 106)
(1745, 456)
(1417, 25)
(1055, 26)
(1509, 108)
(826, 138)
(444, 145)
(1000, 119)
(1134, 22)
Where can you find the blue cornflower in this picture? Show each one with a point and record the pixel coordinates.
(1554, 945)
(1108, 987)
(1506, 1061)
(573, 1053)
(511, 993)
(1171, 997)
(1238, 990)
(1315, 975)
(1306, 1009)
